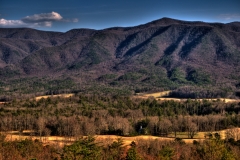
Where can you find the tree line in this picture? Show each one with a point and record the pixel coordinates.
(94, 115)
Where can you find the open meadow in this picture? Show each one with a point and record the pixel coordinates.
(163, 96)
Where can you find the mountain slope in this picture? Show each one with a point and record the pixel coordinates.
(163, 54)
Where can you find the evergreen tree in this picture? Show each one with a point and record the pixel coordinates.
(132, 152)
(84, 148)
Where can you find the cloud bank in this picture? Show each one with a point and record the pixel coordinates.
(43, 17)
(36, 20)
(11, 23)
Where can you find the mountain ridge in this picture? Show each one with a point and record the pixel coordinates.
(162, 54)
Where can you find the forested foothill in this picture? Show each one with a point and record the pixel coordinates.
(89, 115)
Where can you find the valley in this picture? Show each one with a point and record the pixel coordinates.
(167, 89)
(54, 123)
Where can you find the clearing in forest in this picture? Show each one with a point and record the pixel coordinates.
(58, 95)
(162, 96)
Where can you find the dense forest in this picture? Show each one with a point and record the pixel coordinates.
(86, 115)
(95, 114)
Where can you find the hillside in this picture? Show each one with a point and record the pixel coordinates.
(160, 55)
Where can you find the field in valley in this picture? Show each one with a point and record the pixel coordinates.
(53, 96)
(162, 96)
(108, 139)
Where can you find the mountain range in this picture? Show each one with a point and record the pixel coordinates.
(160, 55)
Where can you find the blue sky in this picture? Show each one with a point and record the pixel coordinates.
(64, 15)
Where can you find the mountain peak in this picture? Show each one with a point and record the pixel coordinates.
(165, 21)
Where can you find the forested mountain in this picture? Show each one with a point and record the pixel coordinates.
(163, 54)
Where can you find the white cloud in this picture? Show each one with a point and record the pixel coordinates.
(20, 23)
(43, 17)
(36, 20)
(229, 16)
(11, 23)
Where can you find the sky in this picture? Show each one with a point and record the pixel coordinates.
(64, 15)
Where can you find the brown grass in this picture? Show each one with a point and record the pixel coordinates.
(156, 94)
(103, 139)
(160, 96)
(58, 95)
(108, 139)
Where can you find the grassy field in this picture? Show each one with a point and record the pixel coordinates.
(107, 139)
(198, 135)
(156, 94)
(161, 97)
(103, 139)
(58, 95)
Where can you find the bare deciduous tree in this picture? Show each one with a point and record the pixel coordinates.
(41, 125)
